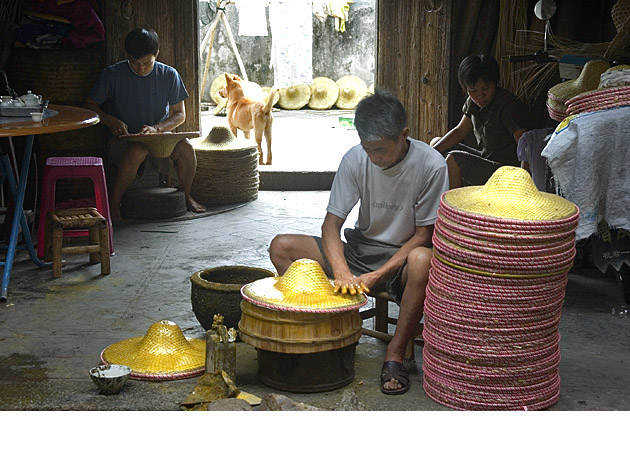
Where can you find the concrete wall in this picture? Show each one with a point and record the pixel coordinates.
(335, 54)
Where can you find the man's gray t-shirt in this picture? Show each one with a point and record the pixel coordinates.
(394, 201)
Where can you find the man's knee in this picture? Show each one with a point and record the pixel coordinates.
(183, 151)
(280, 245)
(419, 262)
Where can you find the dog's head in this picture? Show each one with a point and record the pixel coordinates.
(231, 82)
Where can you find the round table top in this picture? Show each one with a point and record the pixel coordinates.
(69, 118)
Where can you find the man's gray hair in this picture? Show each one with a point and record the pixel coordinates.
(380, 116)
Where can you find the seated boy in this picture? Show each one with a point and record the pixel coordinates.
(141, 95)
(495, 116)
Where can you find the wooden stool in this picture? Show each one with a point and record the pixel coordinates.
(77, 219)
(380, 313)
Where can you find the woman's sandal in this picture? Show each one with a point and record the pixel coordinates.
(397, 371)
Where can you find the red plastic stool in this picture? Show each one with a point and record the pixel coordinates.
(73, 168)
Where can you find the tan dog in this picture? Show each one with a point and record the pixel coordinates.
(246, 114)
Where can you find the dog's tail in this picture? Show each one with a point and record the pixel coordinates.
(270, 98)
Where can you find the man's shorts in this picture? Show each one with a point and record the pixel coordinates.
(116, 150)
(365, 255)
(475, 169)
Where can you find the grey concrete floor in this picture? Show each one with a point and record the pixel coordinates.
(52, 331)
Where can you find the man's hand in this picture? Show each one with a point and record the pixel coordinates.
(149, 129)
(118, 127)
(351, 284)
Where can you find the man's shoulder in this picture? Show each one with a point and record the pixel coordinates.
(424, 153)
(117, 68)
(165, 69)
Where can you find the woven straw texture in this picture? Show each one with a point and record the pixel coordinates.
(509, 193)
(324, 93)
(303, 287)
(294, 97)
(494, 299)
(163, 353)
(352, 89)
(160, 145)
(620, 14)
(227, 168)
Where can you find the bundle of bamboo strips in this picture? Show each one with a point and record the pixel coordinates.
(534, 79)
(512, 18)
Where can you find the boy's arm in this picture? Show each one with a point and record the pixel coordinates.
(116, 126)
(176, 117)
(455, 135)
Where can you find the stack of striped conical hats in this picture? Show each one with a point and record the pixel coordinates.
(502, 253)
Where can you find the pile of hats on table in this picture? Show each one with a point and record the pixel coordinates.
(597, 88)
(322, 94)
(502, 253)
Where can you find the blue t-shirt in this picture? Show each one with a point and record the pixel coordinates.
(135, 100)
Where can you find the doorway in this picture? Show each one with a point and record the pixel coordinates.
(305, 139)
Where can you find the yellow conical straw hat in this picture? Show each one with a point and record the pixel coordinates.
(163, 353)
(221, 138)
(352, 89)
(294, 97)
(303, 287)
(510, 193)
(324, 93)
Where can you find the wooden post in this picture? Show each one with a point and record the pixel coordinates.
(212, 31)
(241, 66)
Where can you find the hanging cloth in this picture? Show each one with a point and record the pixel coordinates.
(252, 18)
(291, 24)
(338, 9)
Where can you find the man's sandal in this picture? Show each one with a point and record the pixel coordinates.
(397, 371)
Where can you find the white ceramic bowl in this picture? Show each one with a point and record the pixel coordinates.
(110, 378)
(37, 116)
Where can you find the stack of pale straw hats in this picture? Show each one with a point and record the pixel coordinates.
(163, 353)
(324, 93)
(227, 168)
(588, 80)
(502, 253)
(613, 91)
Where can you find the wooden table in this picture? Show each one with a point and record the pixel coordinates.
(69, 118)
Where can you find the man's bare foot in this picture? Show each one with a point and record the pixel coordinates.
(194, 206)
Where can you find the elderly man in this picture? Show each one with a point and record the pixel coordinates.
(398, 182)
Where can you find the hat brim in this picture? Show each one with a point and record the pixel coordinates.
(159, 367)
(509, 194)
(161, 145)
(264, 292)
(225, 142)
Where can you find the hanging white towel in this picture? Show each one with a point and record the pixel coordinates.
(252, 18)
(291, 24)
